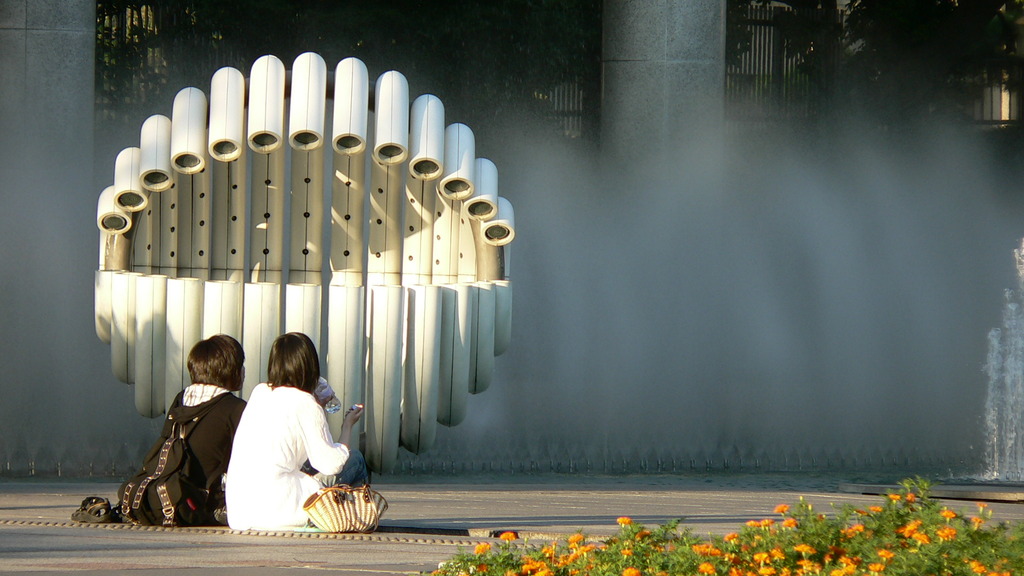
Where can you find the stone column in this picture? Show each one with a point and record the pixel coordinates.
(47, 230)
(663, 76)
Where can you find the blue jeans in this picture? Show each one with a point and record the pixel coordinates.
(353, 474)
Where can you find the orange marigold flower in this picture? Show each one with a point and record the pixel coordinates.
(761, 557)
(804, 549)
(911, 497)
(508, 536)
(875, 509)
(576, 538)
(766, 571)
(976, 521)
(482, 548)
(754, 523)
(921, 537)
(790, 523)
(886, 554)
(981, 505)
(947, 514)
(895, 497)
(876, 567)
(731, 537)
(853, 530)
(946, 533)
(909, 529)
(978, 567)
(627, 552)
(706, 568)
(782, 508)
(706, 550)
(643, 534)
(624, 520)
(630, 572)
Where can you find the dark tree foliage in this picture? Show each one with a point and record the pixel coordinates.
(894, 61)
(481, 58)
(912, 60)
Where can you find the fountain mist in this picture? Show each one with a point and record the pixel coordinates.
(1004, 421)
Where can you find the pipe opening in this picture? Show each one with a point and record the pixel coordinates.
(389, 151)
(264, 140)
(225, 147)
(186, 161)
(306, 138)
(481, 209)
(155, 178)
(456, 186)
(130, 199)
(348, 142)
(497, 232)
(114, 223)
(426, 168)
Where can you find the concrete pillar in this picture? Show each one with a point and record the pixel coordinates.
(663, 76)
(50, 243)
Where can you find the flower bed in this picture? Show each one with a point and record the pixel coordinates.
(906, 534)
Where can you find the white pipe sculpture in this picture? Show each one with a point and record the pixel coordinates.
(416, 302)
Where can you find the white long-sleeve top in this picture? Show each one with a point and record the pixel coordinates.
(280, 429)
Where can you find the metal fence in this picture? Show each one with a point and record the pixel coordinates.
(780, 76)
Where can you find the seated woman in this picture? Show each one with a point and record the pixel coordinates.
(216, 368)
(284, 426)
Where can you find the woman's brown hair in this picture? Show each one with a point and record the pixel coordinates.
(294, 362)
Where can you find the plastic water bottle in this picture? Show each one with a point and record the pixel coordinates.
(326, 397)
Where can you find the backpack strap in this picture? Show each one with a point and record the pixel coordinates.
(180, 431)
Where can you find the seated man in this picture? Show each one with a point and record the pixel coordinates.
(181, 480)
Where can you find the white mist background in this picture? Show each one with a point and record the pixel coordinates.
(760, 304)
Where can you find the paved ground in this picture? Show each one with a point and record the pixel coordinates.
(428, 521)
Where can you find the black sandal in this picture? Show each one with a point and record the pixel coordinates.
(93, 509)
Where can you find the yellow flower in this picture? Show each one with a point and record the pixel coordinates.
(630, 572)
(624, 520)
(706, 568)
(508, 536)
(782, 509)
(761, 557)
(765, 571)
(946, 533)
(483, 548)
(731, 537)
(947, 514)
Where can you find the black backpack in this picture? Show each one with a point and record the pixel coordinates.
(169, 490)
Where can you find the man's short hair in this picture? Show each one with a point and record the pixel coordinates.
(218, 360)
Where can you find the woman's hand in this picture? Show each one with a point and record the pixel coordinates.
(353, 414)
